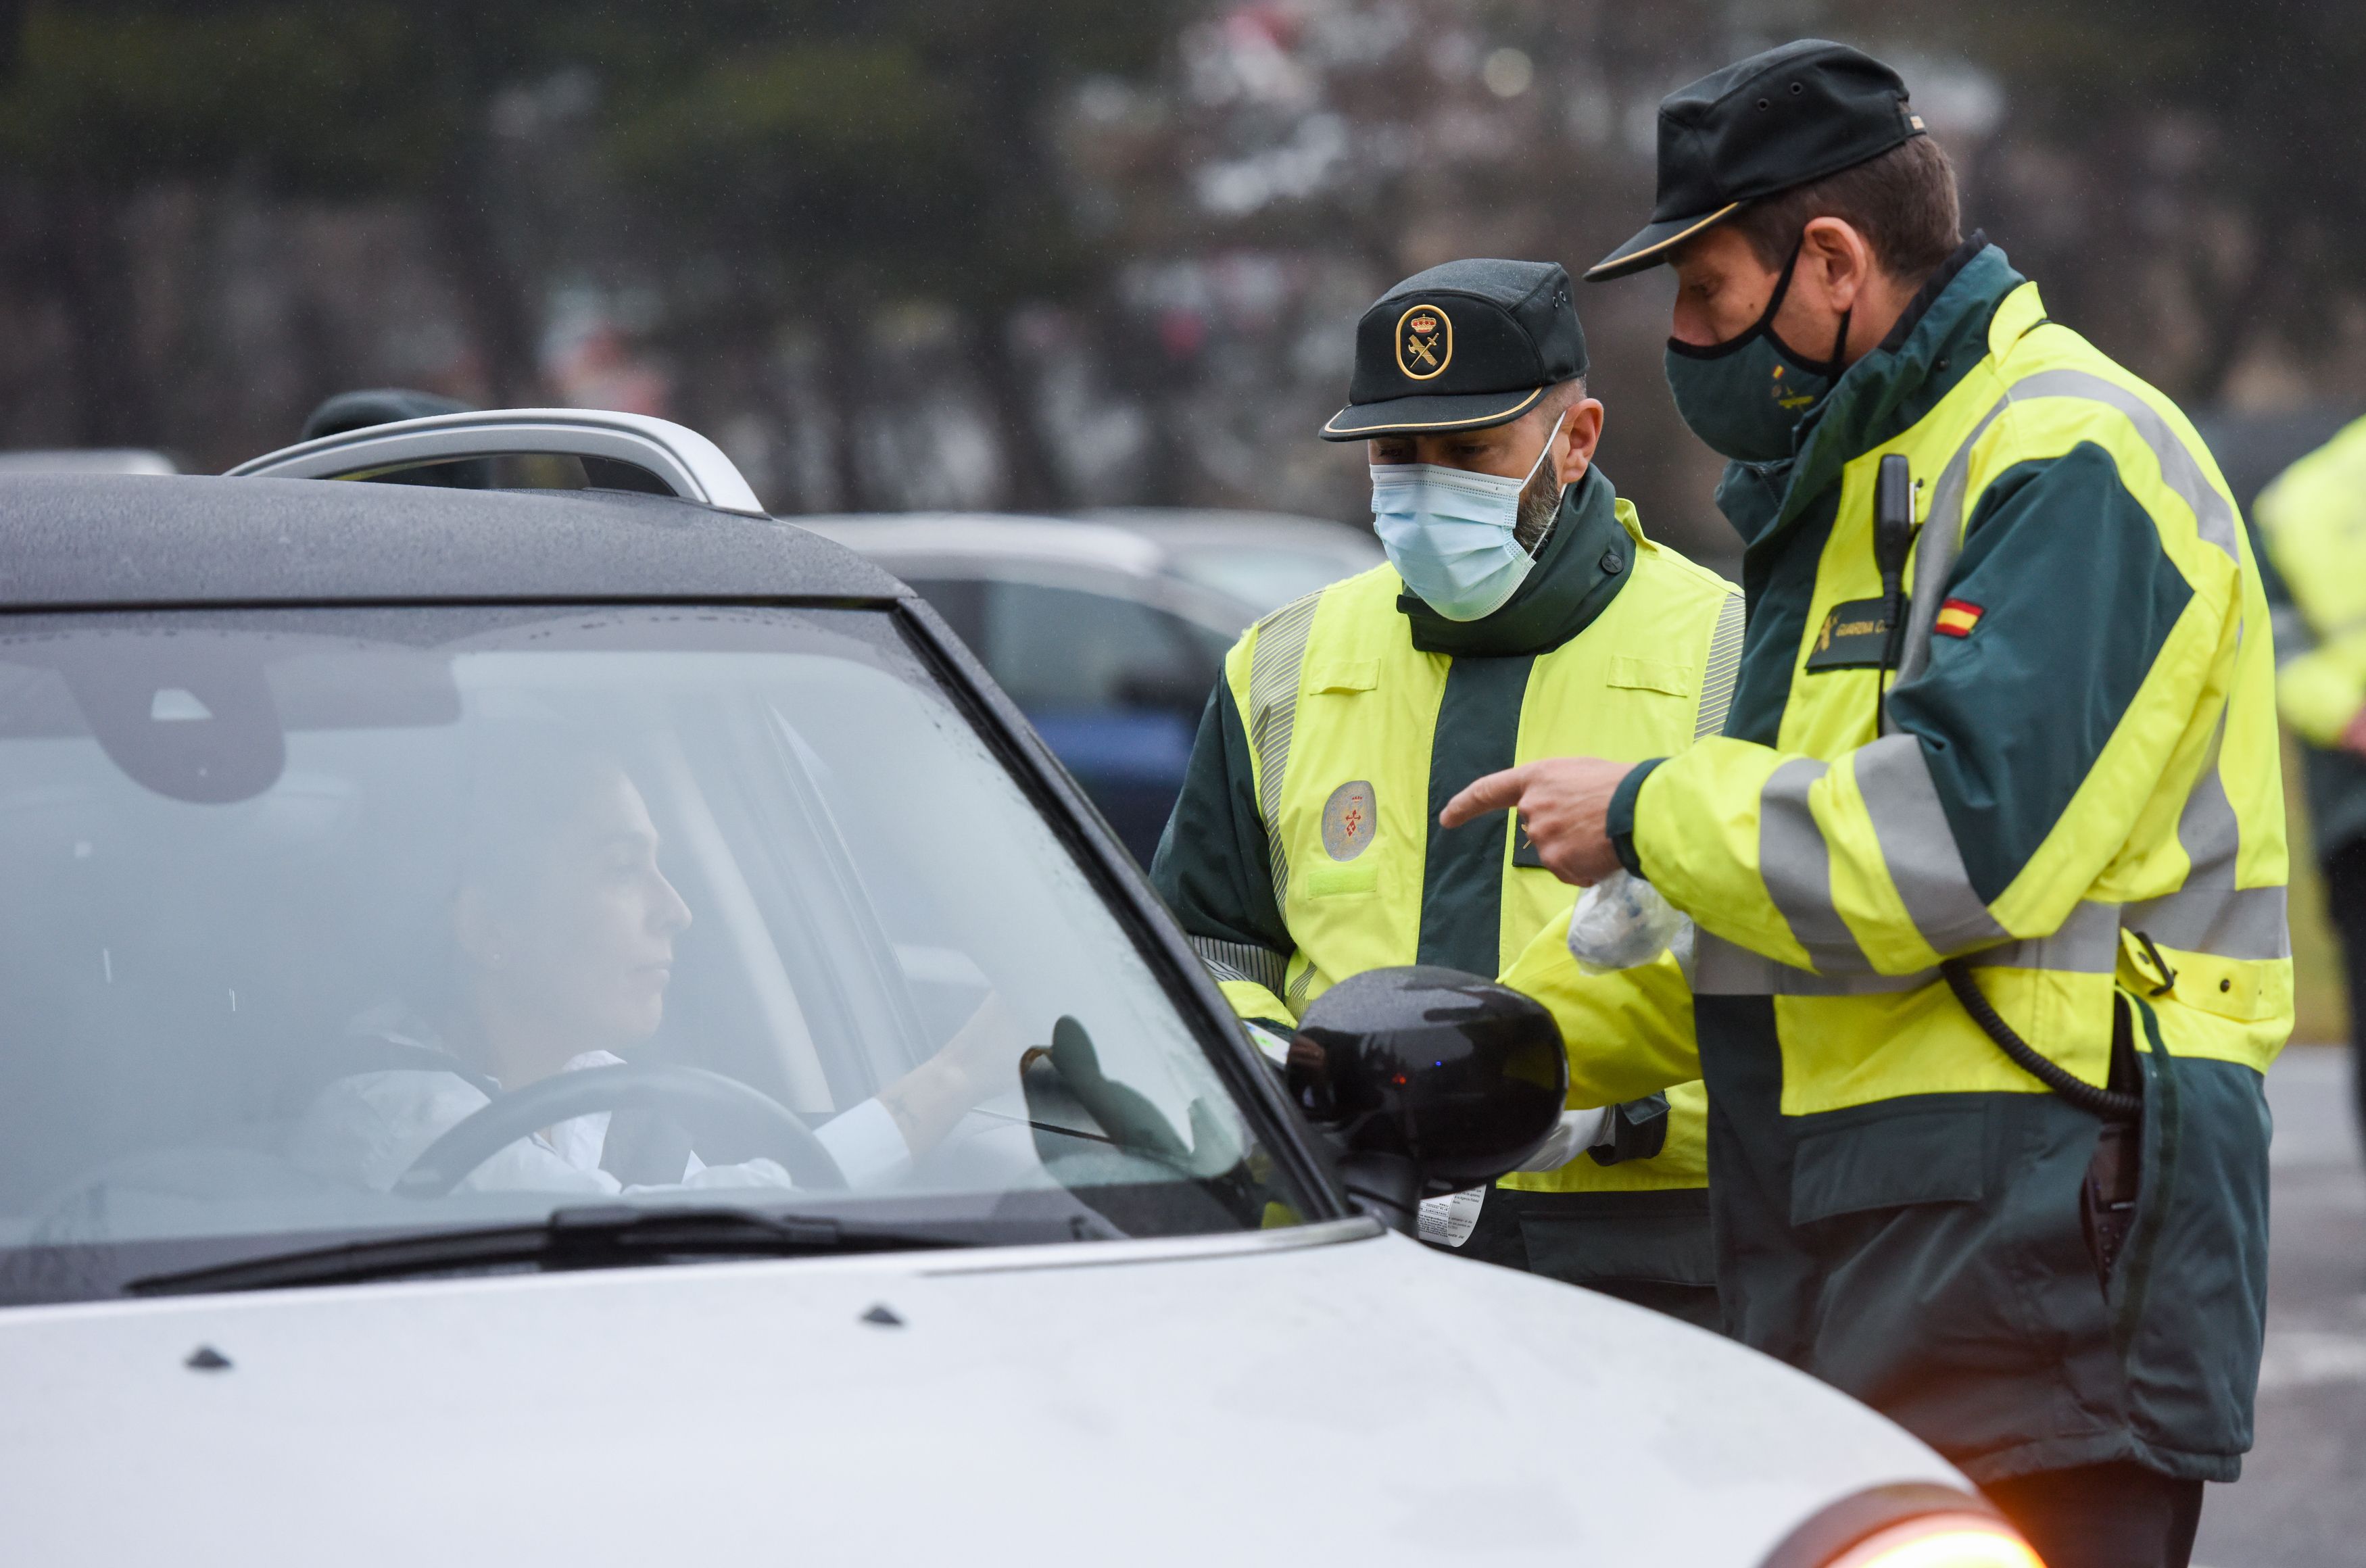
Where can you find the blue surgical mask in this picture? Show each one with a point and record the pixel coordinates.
(1449, 533)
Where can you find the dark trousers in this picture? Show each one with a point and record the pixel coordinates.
(1651, 1248)
(2103, 1516)
(2345, 905)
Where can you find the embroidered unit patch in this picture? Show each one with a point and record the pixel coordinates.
(1350, 817)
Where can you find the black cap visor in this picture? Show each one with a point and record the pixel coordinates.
(1651, 246)
(1429, 415)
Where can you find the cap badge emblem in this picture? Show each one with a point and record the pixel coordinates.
(1425, 342)
(1350, 818)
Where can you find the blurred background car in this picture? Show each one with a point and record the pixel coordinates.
(1110, 631)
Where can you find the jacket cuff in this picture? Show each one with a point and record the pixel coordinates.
(1622, 814)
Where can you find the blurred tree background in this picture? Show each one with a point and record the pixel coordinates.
(1044, 255)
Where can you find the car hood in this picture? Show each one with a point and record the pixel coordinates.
(1233, 1400)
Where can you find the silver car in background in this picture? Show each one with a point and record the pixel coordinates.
(1109, 631)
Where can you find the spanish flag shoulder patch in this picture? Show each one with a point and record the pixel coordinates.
(1956, 618)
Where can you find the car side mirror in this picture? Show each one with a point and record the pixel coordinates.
(1428, 1080)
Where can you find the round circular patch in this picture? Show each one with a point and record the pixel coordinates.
(1350, 818)
(1425, 342)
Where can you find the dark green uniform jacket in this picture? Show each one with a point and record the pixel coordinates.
(1305, 845)
(2077, 791)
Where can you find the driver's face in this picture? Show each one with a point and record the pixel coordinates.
(595, 941)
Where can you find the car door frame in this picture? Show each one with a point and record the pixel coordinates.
(1128, 895)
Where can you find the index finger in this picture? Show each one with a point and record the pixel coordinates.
(1495, 793)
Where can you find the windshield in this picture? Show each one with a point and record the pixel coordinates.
(327, 925)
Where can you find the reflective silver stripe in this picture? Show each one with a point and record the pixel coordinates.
(2088, 943)
(1936, 546)
(1275, 664)
(2229, 922)
(1796, 864)
(1726, 969)
(1918, 846)
(2209, 913)
(2206, 828)
(2213, 514)
(1718, 674)
(1943, 529)
(1241, 962)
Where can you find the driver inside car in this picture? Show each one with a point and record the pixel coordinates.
(561, 944)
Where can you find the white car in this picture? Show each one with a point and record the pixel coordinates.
(581, 1028)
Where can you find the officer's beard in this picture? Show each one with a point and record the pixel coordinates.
(1539, 504)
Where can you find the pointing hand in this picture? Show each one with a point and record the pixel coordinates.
(1564, 804)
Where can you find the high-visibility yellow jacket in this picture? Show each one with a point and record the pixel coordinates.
(2313, 522)
(2077, 789)
(1305, 847)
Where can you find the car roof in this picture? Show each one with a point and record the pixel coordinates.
(111, 539)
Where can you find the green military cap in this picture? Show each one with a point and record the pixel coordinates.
(1460, 347)
(1764, 125)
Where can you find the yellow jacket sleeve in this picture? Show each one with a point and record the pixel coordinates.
(1630, 1033)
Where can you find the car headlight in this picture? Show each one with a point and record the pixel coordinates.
(1942, 1540)
(1908, 1525)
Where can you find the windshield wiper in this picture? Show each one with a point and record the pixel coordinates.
(605, 1235)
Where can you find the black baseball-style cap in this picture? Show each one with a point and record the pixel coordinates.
(1764, 125)
(1460, 347)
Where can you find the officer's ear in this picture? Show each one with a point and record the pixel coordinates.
(1580, 433)
(1836, 265)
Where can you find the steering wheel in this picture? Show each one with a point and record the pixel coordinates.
(702, 1101)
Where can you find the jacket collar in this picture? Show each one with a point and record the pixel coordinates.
(1942, 334)
(1586, 560)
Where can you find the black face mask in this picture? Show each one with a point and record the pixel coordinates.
(1745, 397)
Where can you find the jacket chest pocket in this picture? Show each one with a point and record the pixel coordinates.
(1632, 674)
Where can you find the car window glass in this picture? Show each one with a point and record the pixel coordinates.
(294, 891)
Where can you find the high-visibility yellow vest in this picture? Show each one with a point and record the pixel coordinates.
(1341, 709)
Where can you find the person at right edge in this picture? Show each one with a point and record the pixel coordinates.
(1991, 957)
(2312, 518)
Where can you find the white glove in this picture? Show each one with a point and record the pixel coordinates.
(1578, 1131)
